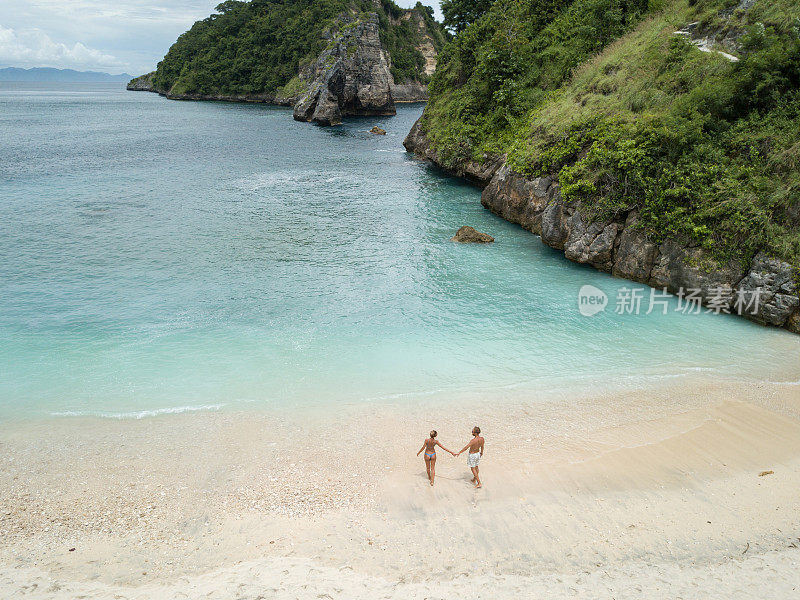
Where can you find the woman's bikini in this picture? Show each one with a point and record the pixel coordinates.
(431, 454)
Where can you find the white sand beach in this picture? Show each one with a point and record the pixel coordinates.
(640, 494)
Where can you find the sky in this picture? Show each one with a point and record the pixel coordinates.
(115, 36)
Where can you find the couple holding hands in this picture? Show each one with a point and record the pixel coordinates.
(475, 447)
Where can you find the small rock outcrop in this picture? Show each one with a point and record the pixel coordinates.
(470, 235)
(143, 83)
(377, 130)
(350, 77)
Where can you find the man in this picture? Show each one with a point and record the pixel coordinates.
(475, 447)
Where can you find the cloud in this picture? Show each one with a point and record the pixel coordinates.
(107, 35)
(34, 48)
(136, 33)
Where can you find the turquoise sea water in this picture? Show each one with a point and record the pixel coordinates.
(160, 256)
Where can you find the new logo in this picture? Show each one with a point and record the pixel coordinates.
(591, 300)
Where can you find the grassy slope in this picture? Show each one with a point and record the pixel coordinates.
(257, 47)
(705, 148)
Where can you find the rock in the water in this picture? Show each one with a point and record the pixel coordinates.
(377, 130)
(470, 235)
(350, 77)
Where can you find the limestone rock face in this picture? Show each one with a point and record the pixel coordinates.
(793, 322)
(636, 253)
(770, 291)
(518, 199)
(591, 243)
(556, 223)
(470, 235)
(412, 91)
(415, 91)
(417, 142)
(679, 266)
(350, 77)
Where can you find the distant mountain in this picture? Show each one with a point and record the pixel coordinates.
(58, 75)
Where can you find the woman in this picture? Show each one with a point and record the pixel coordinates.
(429, 446)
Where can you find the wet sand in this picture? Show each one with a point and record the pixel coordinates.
(643, 493)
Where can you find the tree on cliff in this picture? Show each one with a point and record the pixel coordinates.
(458, 14)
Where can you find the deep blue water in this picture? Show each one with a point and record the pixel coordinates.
(157, 255)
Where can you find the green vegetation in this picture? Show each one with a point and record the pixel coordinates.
(603, 95)
(459, 14)
(294, 87)
(258, 47)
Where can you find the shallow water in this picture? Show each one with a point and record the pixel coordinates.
(161, 256)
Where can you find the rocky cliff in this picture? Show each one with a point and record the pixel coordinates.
(350, 77)
(329, 59)
(426, 45)
(353, 75)
(765, 291)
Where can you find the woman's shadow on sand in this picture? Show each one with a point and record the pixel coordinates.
(465, 478)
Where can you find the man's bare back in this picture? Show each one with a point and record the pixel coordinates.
(475, 447)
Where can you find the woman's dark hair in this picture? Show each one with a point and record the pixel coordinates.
(476, 430)
(433, 434)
